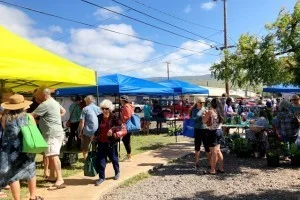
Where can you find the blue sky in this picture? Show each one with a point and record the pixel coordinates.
(112, 53)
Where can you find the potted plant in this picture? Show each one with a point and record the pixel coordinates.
(275, 147)
(295, 155)
(242, 147)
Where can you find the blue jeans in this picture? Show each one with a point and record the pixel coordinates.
(104, 151)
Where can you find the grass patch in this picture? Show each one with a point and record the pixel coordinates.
(135, 179)
(139, 144)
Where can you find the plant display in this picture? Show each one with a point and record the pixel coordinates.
(295, 155)
(242, 147)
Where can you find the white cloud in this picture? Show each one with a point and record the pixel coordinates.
(107, 52)
(55, 29)
(188, 8)
(208, 5)
(16, 20)
(102, 14)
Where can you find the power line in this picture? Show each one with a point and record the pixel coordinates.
(233, 41)
(90, 25)
(175, 17)
(143, 13)
(68, 34)
(146, 23)
(158, 57)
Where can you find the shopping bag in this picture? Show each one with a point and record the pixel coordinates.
(90, 164)
(33, 141)
(133, 124)
(188, 128)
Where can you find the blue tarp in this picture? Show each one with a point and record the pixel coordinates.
(281, 88)
(181, 87)
(119, 84)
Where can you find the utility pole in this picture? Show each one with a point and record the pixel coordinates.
(225, 45)
(168, 71)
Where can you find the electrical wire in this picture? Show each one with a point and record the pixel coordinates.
(143, 13)
(68, 34)
(175, 17)
(101, 28)
(158, 57)
(148, 24)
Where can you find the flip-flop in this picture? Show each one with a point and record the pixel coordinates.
(37, 198)
(6, 187)
(209, 173)
(56, 187)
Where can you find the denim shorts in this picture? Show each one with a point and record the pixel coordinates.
(214, 137)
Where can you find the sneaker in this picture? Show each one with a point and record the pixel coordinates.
(99, 182)
(117, 176)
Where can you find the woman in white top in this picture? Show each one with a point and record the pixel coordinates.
(214, 119)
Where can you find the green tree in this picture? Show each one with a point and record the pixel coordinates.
(271, 59)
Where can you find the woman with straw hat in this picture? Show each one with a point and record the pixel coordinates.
(14, 164)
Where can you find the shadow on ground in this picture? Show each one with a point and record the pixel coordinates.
(263, 195)
(233, 167)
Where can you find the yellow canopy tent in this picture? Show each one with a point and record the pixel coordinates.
(25, 66)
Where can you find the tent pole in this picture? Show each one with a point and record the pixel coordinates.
(2, 84)
(120, 120)
(97, 87)
(174, 118)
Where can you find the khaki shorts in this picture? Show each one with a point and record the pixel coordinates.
(54, 145)
(85, 142)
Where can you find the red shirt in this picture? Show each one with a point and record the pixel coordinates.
(104, 127)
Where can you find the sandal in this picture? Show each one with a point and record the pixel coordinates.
(220, 171)
(6, 187)
(209, 173)
(56, 187)
(37, 198)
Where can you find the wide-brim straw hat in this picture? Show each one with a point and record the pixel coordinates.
(16, 102)
(200, 99)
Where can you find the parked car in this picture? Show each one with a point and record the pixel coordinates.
(138, 108)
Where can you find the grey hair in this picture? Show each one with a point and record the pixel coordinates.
(47, 91)
(89, 98)
(106, 103)
(284, 105)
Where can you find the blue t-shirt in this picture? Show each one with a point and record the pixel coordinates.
(89, 116)
(197, 117)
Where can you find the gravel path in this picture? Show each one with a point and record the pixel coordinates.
(244, 179)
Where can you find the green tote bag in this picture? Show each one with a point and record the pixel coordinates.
(33, 141)
(90, 164)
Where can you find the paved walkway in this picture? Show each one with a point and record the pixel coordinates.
(82, 188)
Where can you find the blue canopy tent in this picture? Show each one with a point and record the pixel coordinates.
(281, 88)
(181, 87)
(117, 84)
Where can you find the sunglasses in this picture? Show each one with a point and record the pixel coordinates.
(104, 108)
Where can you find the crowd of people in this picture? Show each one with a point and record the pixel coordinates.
(91, 126)
(280, 116)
